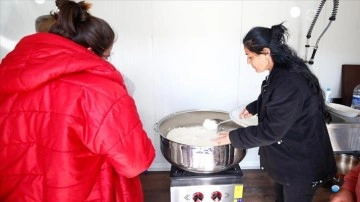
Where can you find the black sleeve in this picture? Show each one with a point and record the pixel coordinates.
(252, 107)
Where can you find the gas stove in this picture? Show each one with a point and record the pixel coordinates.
(225, 186)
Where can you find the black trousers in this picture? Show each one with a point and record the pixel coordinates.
(294, 193)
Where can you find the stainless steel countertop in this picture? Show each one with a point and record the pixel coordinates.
(344, 133)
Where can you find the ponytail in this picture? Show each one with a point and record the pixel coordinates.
(73, 21)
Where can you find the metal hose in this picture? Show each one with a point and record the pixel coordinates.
(308, 36)
(315, 18)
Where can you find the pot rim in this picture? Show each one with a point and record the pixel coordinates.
(157, 125)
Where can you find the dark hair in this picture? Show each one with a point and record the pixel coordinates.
(43, 23)
(73, 21)
(275, 38)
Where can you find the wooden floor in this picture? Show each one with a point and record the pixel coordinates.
(258, 187)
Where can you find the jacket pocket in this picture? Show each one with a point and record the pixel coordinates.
(282, 144)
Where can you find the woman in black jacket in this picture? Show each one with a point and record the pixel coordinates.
(295, 148)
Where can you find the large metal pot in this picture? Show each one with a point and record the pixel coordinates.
(197, 159)
(345, 162)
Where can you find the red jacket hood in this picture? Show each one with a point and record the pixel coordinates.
(45, 57)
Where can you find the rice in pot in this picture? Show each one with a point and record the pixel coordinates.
(194, 136)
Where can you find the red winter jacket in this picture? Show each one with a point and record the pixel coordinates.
(69, 131)
(352, 181)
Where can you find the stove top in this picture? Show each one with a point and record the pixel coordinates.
(224, 186)
(178, 172)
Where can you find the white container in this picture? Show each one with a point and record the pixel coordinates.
(328, 95)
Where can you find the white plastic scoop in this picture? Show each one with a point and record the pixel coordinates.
(213, 124)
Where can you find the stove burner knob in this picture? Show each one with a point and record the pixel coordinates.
(198, 196)
(216, 195)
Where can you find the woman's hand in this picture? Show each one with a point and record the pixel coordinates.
(343, 195)
(245, 114)
(222, 139)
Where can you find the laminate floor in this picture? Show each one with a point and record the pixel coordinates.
(258, 187)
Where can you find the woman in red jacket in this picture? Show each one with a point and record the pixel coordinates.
(69, 129)
(350, 190)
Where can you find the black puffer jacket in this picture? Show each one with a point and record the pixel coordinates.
(292, 135)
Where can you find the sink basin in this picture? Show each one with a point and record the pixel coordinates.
(337, 119)
(344, 133)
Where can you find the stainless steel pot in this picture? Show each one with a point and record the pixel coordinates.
(345, 162)
(197, 159)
